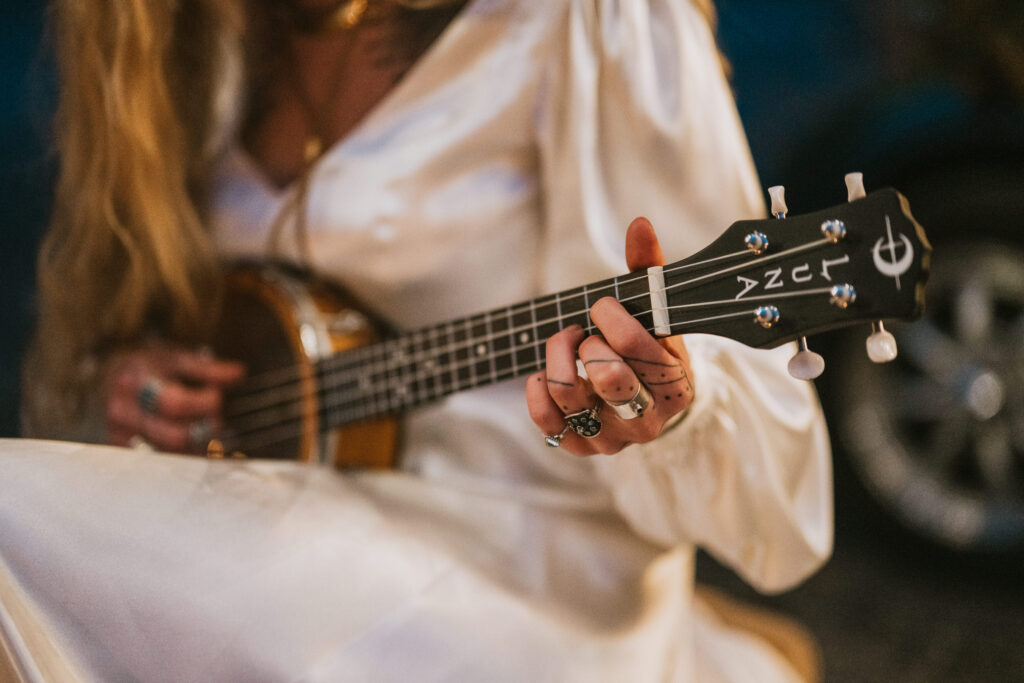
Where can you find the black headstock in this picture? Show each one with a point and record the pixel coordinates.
(869, 262)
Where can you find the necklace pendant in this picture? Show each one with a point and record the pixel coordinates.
(351, 13)
(312, 149)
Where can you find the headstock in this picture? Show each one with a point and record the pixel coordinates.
(766, 282)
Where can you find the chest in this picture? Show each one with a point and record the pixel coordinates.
(314, 89)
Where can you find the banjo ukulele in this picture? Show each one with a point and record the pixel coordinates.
(326, 384)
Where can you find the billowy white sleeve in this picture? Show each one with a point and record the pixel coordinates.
(636, 118)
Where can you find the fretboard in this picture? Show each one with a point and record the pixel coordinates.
(427, 364)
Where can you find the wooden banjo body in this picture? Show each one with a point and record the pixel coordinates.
(280, 322)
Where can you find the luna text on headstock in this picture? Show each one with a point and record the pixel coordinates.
(766, 282)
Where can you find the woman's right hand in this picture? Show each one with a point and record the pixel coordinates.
(168, 396)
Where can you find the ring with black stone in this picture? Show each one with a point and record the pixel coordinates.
(585, 422)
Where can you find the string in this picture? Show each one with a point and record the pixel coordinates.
(269, 379)
(363, 380)
(351, 405)
(354, 407)
(760, 261)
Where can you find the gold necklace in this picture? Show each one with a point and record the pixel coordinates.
(344, 16)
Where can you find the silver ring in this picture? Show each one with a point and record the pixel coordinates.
(585, 422)
(555, 440)
(200, 432)
(139, 444)
(634, 407)
(149, 395)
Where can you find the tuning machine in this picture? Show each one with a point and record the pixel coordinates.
(881, 345)
(806, 364)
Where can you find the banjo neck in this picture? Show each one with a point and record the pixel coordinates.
(424, 365)
(762, 283)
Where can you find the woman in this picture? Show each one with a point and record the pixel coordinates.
(412, 151)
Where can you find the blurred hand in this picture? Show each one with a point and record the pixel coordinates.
(169, 396)
(620, 361)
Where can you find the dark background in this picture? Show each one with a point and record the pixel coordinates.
(906, 91)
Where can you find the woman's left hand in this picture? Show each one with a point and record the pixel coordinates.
(621, 361)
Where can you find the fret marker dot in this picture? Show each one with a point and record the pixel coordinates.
(481, 349)
(524, 337)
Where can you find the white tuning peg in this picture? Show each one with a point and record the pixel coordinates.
(778, 195)
(806, 364)
(854, 186)
(881, 344)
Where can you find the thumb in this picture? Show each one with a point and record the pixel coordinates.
(642, 248)
(644, 251)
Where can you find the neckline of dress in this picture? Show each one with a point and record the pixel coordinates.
(389, 101)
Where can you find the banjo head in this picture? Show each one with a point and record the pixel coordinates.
(279, 323)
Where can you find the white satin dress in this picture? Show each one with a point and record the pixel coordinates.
(507, 164)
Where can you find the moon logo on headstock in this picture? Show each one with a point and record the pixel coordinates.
(887, 246)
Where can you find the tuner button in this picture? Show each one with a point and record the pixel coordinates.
(806, 364)
(756, 242)
(842, 295)
(766, 316)
(778, 195)
(854, 186)
(881, 345)
(833, 230)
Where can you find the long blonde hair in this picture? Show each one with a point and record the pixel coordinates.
(126, 250)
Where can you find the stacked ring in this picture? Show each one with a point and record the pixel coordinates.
(633, 407)
(585, 422)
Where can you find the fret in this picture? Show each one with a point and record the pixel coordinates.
(419, 358)
(390, 381)
(558, 311)
(439, 353)
(379, 388)
(512, 344)
(589, 327)
(548, 313)
(480, 350)
(364, 381)
(634, 296)
(574, 309)
(446, 360)
(501, 346)
(406, 367)
(524, 335)
(365, 399)
(429, 364)
(463, 354)
(490, 341)
(537, 336)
